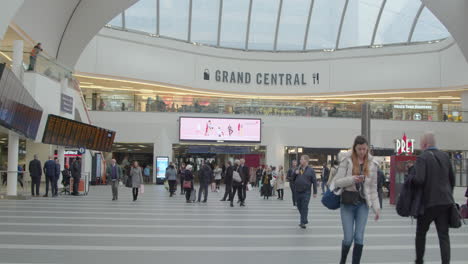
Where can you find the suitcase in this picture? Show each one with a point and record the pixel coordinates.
(193, 195)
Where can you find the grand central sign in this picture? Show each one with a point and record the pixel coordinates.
(263, 78)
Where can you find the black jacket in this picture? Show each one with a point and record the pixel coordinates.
(188, 176)
(205, 175)
(244, 173)
(434, 173)
(292, 175)
(35, 168)
(50, 168)
(76, 169)
(305, 180)
(228, 177)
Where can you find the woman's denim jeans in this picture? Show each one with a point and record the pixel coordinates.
(354, 220)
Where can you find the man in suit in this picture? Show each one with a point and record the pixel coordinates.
(49, 172)
(76, 174)
(291, 178)
(236, 186)
(35, 171)
(205, 177)
(113, 175)
(434, 174)
(245, 175)
(56, 178)
(228, 182)
(303, 183)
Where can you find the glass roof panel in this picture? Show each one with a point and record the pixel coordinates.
(142, 16)
(116, 21)
(359, 23)
(396, 21)
(174, 18)
(263, 24)
(324, 24)
(205, 21)
(234, 23)
(429, 28)
(293, 24)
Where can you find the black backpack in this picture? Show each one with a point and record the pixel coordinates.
(409, 202)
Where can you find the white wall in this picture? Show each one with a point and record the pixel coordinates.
(278, 132)
(130, 55)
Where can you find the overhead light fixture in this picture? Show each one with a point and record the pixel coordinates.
(376, 46)
(328, 50)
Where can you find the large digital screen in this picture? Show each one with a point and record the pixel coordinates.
(220, 129)
(161, 165)
(18, 109)
(66, 132)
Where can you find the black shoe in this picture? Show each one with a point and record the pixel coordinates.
(232, 205)
(188, 201)
(222, 200)
(242, 205)
(302, 226)
(344, 253)
(45, 195)
(113, 199)
(204, 201)
(357, 253)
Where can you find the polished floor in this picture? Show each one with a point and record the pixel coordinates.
(159, 229)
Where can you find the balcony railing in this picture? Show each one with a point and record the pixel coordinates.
(250, 107)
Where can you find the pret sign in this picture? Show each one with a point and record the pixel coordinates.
(404, 145)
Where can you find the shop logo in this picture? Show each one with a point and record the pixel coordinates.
(206, 75)
(404, 145)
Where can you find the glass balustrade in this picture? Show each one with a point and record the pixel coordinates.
(249, 107)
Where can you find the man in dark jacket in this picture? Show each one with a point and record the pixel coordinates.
(245, 175)
(35, 171)
(114, 175)
(303, 183)
(236, 186)
(205, 177)
(228, 182)
(325, 175)
(49, 172)
(380, 184)
(76, 175)
(291, 178)
(56, 178)
(434, 173)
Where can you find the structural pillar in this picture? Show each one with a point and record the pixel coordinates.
(365, 122)
(13, 149)
(13, 138)
(61, 158)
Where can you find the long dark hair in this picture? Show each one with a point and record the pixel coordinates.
(360, 140)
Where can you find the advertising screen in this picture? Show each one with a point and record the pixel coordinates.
(161, 164)
(220, 129)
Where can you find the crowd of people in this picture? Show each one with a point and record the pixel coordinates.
(52, 171)
(356, 179)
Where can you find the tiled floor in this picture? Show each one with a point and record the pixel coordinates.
(159, 229)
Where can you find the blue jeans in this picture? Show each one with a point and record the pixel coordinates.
(354, 220)
(302, 201)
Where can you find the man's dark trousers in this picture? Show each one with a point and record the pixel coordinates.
(303, 199)
(203, 188)
(440, 215)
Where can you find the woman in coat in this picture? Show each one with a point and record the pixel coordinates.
(188, 178)
(137, 179)
(357, 180)
(266, 183)
(280, 182)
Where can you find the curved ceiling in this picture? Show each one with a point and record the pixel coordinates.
(65, 27)
(285, 25)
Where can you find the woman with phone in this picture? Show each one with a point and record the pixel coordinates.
(357, 180)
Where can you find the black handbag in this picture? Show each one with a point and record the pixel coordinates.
(455, 217)
(350, 198)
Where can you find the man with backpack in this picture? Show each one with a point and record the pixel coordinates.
(434, 175)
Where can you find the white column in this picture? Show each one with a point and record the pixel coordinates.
(13, 147)
(13, 138)
(61, 158)
(464, 104)
(17, 63)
